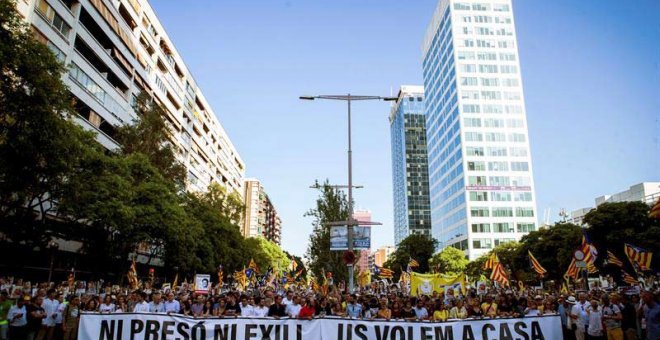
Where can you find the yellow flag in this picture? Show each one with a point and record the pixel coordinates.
(426, 284)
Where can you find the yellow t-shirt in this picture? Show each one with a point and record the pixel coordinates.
(440, 315)
(489, 309)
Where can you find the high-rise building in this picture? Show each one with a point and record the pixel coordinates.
(480, 169)
(382, 254)
(115, 50)
(412, 212)
(260, 218)
(362, 262)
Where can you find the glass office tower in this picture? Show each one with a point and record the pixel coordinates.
(412, 214)
(480, 169)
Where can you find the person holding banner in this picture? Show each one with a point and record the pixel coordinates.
(277, 310)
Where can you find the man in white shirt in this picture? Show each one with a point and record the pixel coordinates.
(141, 306)
(288, 299)
(49, 305)
(247, 309)
(293, 309)
(156, 305)
(260, 309)
(580, 316)
(17, 317)
(172, 305)
(420, 311)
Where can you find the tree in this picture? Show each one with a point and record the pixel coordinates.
(449, 261)
(148, 135)
(39, 144)
(613, 224)
(267, 254)
(331, 205)
(229, 205)
(415, 246)
(553, 247)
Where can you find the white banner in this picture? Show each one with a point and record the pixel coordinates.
(162, 326)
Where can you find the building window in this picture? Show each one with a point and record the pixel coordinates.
(481, 228)
(523, 197)
(502, 212)
(469, 81)
(470, 108)
(499, 180)
(498, 166)
(474, 151)
(482, 243)
(508, 69)
(492, 122)
(503, 241)
(479, 212)
(525, 227)
(496, 152)
(488, 68)
(490, 82)
(502, 227)
(476, 166)
(473, 137)
(54, 19)
(462, 6)
(465, 55)
(517, 137)
(521, 181)
(499, 196)
(478, 196)
(472, 122)
(477, 180)
(519, 166)
(524, 212)
(493, 108)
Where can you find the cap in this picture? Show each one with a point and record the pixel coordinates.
(571, 300)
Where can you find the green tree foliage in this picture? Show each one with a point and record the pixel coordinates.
(449, 261)
(267, 254)
(553, 247)
(613, 224)
(415, 246)
(331, 205)
(39, 144)
(148, 135)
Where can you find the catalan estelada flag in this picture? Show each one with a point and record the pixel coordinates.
(491, 262)
(655, 210)
(536, 265)
(572, 271)
(638, 256)
(386, 273)
(627, 278)
(499, 275)
(253, 265)
(413, 263)
(612, 259)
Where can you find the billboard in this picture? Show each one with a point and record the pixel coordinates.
(339, 237)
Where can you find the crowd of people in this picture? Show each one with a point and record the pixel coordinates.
(53, 311)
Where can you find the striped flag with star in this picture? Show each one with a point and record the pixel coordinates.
(499, 275)
(572, 271)
(612, 259)
(536, 265)
(491, 262)
(655, 210)
(627, 278)
(638, 256)
(386, 273)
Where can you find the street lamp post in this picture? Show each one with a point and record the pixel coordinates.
(52, 246)
(351, 221)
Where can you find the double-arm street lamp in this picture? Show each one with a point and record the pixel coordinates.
(351, 221)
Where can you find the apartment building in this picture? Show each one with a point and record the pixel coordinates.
(261, 218)
(114, 51)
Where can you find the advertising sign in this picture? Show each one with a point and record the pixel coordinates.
(339, 237)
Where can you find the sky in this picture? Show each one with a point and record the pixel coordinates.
(590, 70)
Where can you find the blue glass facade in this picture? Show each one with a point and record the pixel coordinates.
(446, 184)
(410, 165)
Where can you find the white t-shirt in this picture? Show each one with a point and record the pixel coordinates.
(421, 313)
(595, 322)
(581, 311)
(60, 311)
(247, 310)
(260, 311)
(141, 307)
(293, 310)
(103, 308)
(50, 308)
(286, 301)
